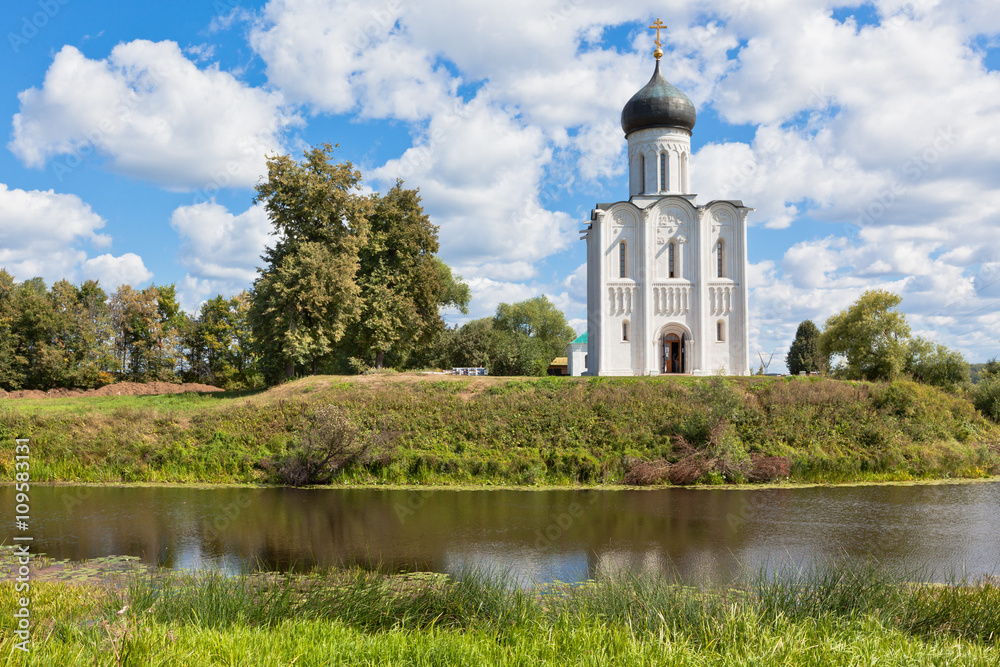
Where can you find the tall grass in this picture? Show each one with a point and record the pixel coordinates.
(642, 604)
(837, 613)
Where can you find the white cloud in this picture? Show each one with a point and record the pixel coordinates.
(220, 250)
(41, 233)
(357, 53)
(479, 171)
(153, 114)
(112, 271)
(487, 294)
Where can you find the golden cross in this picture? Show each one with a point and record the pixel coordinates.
(657, 26)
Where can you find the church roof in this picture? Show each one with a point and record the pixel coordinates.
(582, 338)
(658, 104)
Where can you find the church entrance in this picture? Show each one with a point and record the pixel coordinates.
(673, 354)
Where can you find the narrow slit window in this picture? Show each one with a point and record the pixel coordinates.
(720, 331)
(642, 173)
(720, 253)
(621, 260)
(625, 331)
(670, 259)
(663, 171)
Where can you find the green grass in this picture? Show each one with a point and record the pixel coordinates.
(839, 613)
(179, 403)
(495, 431)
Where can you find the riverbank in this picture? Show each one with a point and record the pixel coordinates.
(849, 614)
(486, 431)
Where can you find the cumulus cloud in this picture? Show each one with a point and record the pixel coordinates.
(43, 233)
(221, 251)
(479, 171)
(151, 114)
(112, 272)
(356, 51)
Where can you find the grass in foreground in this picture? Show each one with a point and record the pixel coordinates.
(849, 614)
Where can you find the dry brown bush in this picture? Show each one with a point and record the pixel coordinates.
(645, 473)
(330, 444)
(769, 468)
(688, 471)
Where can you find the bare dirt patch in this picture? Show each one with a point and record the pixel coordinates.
(117, 389)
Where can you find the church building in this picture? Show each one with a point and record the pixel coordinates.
(666, 277)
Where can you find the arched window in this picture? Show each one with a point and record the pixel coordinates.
(670, 260)
(621, 260)
(663, 172)
(720, 252)
(642, 173)
(625, 331)
(720, 331)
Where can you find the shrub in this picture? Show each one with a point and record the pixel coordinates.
(769, 468)
(986, 397)
(329, 445)
(645, 473)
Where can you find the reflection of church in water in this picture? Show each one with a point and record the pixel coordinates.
(666, 278)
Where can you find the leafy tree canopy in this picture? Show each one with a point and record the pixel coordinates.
(403, 284)
(350, 276)
(805, 354)
(306, 296)
(935, 364)
(870, 337)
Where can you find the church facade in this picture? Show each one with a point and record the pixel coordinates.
(666, 276)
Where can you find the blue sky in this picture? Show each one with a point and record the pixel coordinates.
(865, 135)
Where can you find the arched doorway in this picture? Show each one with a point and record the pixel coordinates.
(673, 353)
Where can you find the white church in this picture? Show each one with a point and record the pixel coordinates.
(666, 277)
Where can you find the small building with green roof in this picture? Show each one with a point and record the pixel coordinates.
(576, 352)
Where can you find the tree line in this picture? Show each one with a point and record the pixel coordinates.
(870, 340)
(351, 282)
(79, 336)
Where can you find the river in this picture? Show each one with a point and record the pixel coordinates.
(565, 535)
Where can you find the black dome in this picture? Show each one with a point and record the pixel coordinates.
(658, 104)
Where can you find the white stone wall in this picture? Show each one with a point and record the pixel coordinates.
(644, 150)
(576, 354)
(693, 303)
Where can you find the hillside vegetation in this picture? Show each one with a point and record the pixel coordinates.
(506, 431)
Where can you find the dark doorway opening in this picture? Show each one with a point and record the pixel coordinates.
(673, 354)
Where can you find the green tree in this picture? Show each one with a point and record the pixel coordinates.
(989, 369)
(81, 335)
(35, 322)
(935, 364)
(542, 324)
(93, 320)
(53, 338)
(306, 296)
(12, 364)
(403, 284)
(146, 326)
(804, 354)
(871, 337)
(219, 343)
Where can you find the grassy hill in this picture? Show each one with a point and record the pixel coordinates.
(515, 431)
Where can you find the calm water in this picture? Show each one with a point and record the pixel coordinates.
(542, 535)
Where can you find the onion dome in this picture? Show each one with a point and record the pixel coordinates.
(658, 104)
